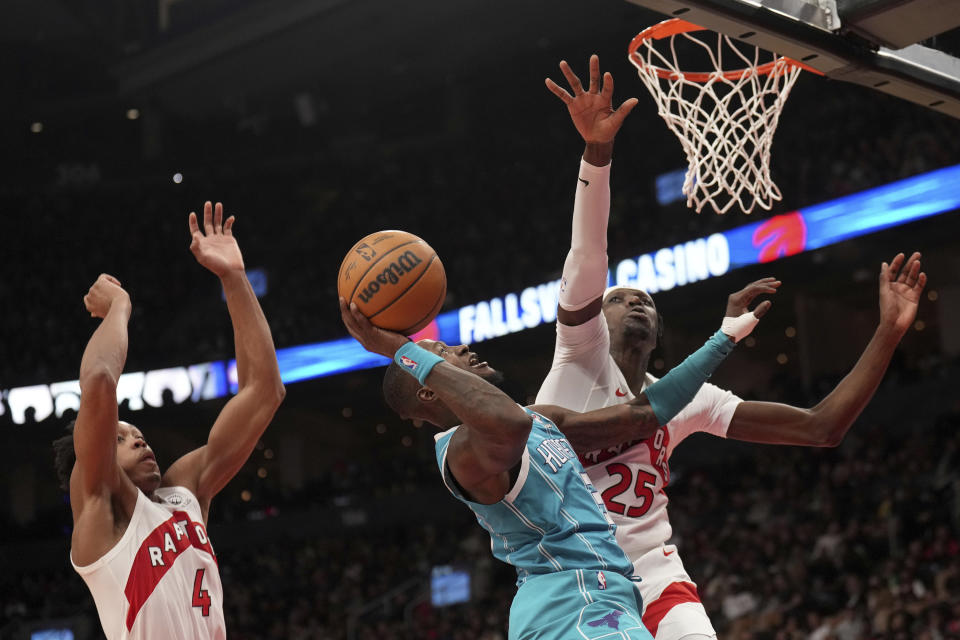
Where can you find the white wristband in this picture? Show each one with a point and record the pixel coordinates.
(740, 327)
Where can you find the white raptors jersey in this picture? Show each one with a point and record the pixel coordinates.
(630, 477)
(161, 579)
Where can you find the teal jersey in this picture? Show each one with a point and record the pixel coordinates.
(552, 519)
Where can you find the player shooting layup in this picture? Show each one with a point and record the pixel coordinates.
(139, 538)
(604, 340)
(516, 469)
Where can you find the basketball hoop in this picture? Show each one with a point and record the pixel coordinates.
(725, 119)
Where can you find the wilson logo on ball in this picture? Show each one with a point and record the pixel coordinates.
(396, 280)
(391, 275)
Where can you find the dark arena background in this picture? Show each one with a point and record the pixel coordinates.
(318, 122)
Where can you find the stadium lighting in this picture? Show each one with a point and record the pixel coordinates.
(930, 194)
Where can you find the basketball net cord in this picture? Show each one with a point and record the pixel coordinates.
(724, 120)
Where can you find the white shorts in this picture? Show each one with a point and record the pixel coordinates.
(671, 605)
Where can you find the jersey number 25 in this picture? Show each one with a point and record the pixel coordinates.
(642, 489)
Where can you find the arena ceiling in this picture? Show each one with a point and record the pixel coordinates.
(63, 55)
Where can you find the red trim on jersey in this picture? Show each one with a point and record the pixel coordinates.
(144, 575)
(675, 593)
(658, 457)
(602, 455)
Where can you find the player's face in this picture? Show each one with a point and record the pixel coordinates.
(136, 457)
(461, 357)
(632, 312)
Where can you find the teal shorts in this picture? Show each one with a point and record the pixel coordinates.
(577, 605)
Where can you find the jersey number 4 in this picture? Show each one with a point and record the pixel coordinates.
(201, 597)
(643, 490)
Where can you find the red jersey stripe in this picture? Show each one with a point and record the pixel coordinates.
(675, 593)
(156, 556)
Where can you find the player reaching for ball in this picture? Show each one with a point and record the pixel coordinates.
(139, 538)
(604, 340)
(395, 279)
(515, 467)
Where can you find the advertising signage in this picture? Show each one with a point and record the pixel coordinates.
(897, 203)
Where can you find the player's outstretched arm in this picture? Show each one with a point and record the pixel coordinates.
(640, 418)
(95, 431)
(592, 113)
(827, 423)
(494, 429)
(235, 433)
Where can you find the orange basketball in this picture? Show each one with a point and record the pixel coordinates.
(396, 279)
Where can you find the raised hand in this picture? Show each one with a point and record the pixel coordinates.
(373, 339)
(900, 289)
(103, 294)
(738, 303)
(215, 247)
(592, 110)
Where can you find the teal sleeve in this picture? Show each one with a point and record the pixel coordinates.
(671, 393)
(416, 361)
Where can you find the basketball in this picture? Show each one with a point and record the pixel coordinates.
(396, 280)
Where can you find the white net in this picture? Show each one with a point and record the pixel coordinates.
(724, 119)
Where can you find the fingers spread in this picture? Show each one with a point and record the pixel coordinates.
(228, 226)
(207, 218)
(594, 74)
(895, 264)
(556, 90)
(218, 218)
(623, 111)
(607, 90)
(912, 268)
(913, 272)
(192, 223)
(571, 77)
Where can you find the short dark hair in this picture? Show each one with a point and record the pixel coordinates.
(64, 457)
(400, 391)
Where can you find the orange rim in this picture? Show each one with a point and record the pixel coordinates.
(676, 26)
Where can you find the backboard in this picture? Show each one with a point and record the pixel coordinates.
(874, 43)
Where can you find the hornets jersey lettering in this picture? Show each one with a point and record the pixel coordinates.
(552, 519)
